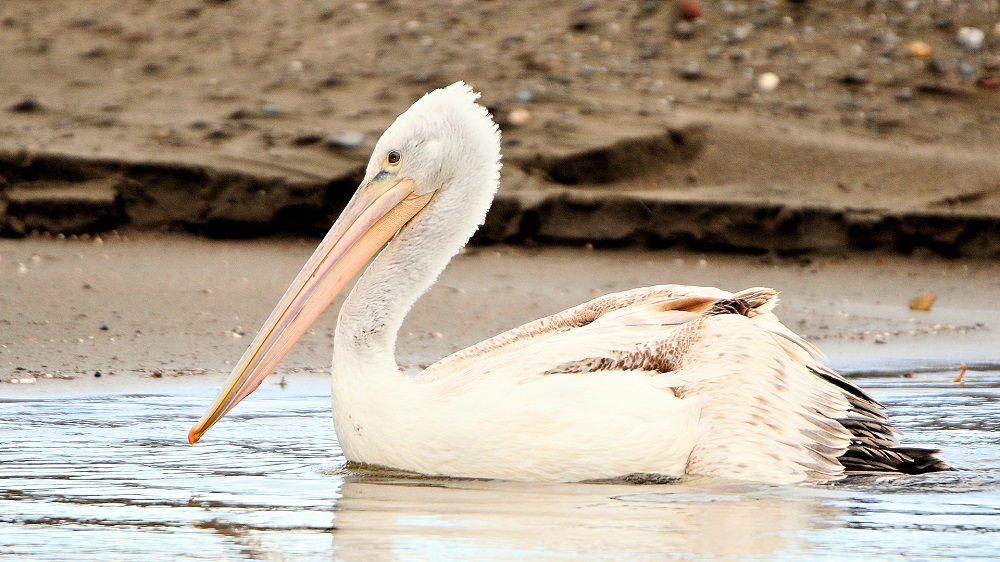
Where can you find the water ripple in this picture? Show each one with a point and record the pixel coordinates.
(110, 477)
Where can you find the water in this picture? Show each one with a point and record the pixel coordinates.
(109, 477)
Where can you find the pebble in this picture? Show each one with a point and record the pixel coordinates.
(730, 10)
(919, 50)
(219, 132)
(739, 33)
(95, 52)
(691, 71)
(966, 70)
(768, 82)
(904, 95)
(345, 140)
(648, 6)
(689, 9)
(683, 29)
(305, 138)
(26, 105)
(988, 83)
(923, 302)
(106, 120)
(271, 110)
(582, 22)
(970, 38)
(648, 51)
(935, 66)
(854, 78)
(519, 117)
(524, 95)
(239, 113)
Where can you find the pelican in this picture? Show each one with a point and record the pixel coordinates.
(667, 380)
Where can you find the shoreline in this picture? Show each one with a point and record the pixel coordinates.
(144, 303)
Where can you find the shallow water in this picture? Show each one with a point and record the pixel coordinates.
(109, 477)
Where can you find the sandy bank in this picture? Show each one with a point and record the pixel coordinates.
(152, 307)
(636, 125)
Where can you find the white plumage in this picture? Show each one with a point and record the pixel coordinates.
(667, 380)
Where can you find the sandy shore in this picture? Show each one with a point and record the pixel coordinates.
(624, 123)
(142, 309)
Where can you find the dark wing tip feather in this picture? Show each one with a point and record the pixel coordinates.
(902, 460)
(873, 447)
(851, 390)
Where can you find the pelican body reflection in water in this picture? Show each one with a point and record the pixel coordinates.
(496, 520)
(667, 380)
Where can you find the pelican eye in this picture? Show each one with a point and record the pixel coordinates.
(393, 157)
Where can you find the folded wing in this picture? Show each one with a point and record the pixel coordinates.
(769, 408)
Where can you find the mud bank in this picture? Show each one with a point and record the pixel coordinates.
(624, 123)
(682, 187)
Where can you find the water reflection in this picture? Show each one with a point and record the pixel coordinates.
(109, 477)
(382, 520)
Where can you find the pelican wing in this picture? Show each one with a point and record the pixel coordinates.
(768, 405)
(541, 331)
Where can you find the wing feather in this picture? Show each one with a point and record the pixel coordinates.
(538, 331)
(770, 409)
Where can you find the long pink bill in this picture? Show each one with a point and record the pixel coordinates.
(376, 212)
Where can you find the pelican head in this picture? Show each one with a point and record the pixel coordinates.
(432, 176)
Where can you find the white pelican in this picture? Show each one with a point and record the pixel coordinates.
(667, 380)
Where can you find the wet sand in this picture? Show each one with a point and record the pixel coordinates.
(143, 309)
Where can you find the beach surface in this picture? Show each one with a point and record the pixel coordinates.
(162, 307)
(788, 127)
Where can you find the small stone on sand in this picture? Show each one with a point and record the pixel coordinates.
(345, 140)
(689, 9)
(970, 38)
(691, 71)
(919, 50)
(923, 302)
(26, 105)
(519, 117)
(768, 82)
